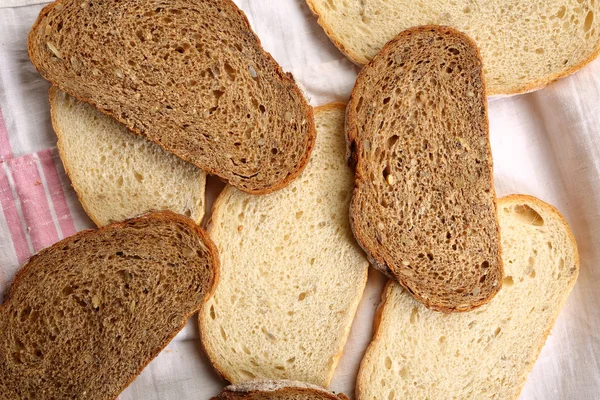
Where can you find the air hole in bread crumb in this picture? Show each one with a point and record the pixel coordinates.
(388, 363)
(589, 20)
(138, 177)
(25, 313)
(302, 296)
(532, 273)
(414, 315)
(528, 215)
(247, 374)
(508, 282)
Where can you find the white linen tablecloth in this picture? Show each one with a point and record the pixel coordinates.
(545, 143)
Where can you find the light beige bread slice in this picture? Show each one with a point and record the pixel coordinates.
(276, 390)
(424, 204)
(525, 45)
(292, 275)
(487, 353)
(85, 316)
(188, 75)
(118, 175)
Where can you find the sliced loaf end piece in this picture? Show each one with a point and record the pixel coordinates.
(416, 352)
(118, 175)
(424, 205)
(190, 76)
(277, 390)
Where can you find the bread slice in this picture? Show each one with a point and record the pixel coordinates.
(292, 274)
(188, 75)
(118, 175)
(424, 203)
(276, 390)
(85, 316)
(525, 44)
(487, 353)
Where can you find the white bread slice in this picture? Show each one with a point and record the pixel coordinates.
(277, 390)
(525, 45)
(292, 275)
(116, 174)
(486, 353)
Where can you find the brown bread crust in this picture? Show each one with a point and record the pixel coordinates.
(205, 91)
(445, 278)
(277, 390)
(25, 373)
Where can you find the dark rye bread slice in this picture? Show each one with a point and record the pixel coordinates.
(189, 75)
(424, 205)
(85, 316)
(276, 390)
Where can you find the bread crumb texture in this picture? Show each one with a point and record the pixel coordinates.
(524, 44)
(189, 75)
(424, 202)
(119, 175)
(487, 353)
(292, 276)
(84, 316)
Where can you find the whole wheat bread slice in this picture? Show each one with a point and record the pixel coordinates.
(188, 75)
(292, 274)
(276, 390)
(424, 203)
(487, 353)
(118, 175)
(85, 316)
(525, 45)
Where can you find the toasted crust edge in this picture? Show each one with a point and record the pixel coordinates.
(510, 90)
(164, 216)
(285, 77)
(513, 198)
(352, 158)
(220, 201)
(270, 386)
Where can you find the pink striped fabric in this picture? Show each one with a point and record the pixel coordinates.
(48, 160)
(33, 201)
(13, 219)
(34, 204)
(5, 150)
